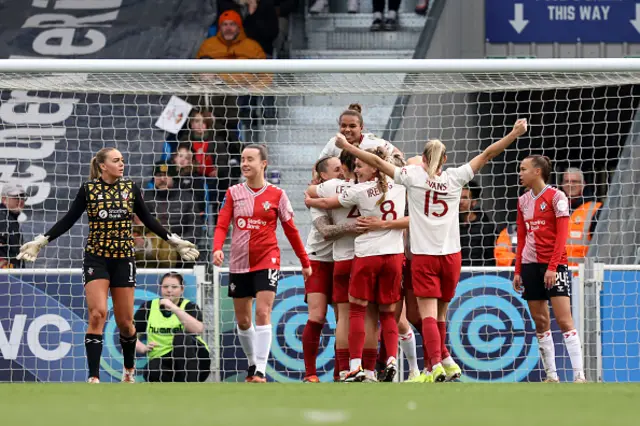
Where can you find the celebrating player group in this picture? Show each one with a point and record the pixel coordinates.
(384, 250)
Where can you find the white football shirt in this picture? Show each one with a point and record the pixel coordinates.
(434, 205)
(343, 247)
(365, 195)
(369, 140)
(317, 247)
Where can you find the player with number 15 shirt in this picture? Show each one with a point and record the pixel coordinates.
(434, 196)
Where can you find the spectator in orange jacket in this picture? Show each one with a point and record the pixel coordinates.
(232, 43)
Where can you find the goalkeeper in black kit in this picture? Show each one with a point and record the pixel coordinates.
(109, 264)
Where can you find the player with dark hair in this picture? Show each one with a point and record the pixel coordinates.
(109, 264)
(255, 207)
(541, 263)
(434, 198)
(351, 125)
(377, 268)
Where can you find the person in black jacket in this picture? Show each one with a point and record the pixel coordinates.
(109, 264)
(476, 230)
(11, 205)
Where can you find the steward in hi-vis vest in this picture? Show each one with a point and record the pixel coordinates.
(173, 327)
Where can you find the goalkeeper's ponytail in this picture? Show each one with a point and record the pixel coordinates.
(98, 159)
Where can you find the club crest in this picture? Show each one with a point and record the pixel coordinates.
(266, 205)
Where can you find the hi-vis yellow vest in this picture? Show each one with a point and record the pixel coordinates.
(161, 329)
(579, 227)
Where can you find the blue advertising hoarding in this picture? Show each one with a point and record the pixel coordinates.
(491, 334)
(43, 320)
(620, 326)
(562, 21)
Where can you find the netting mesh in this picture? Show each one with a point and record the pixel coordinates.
(54, 122)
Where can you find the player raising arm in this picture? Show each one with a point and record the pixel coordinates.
(109, 263)
(434, 230)
(541, 263)
(377, 267)
(255, 207)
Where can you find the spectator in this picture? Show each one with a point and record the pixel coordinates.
(390, 23)
(476, 230)
(11, 206)
(173, 206)
(584, 209)
(216, 154)
(260, 20)
(172, 326)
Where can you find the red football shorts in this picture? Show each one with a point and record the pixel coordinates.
(436, 276)
(321, 279)
(341, 276)
(406, 275)
(377, 279)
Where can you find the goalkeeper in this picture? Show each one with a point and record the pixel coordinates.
(110, 202)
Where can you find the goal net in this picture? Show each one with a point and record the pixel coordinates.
(181, 126)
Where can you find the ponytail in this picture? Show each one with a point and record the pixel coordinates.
(100, 157)
(434, 152)
(383, 184)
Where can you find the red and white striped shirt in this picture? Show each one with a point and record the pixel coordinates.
(255, 213)
(543, 225)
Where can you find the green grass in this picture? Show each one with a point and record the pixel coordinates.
(303, 404)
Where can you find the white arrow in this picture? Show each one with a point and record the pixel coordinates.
(636, 22)
(518, 22)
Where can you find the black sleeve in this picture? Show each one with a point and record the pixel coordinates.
(4, 236)
(594, 222)
(193, 310)
(78, 207)
(141, 317)
(262, 26)
(142, 211)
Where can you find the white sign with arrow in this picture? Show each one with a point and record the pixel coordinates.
(518, 22)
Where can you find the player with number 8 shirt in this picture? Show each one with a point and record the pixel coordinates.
(255, 207)
(376, 272)
(434, 197)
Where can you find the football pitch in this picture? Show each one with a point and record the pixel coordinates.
(307, 404)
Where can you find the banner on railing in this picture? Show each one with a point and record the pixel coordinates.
(43, 320)
(491, 334)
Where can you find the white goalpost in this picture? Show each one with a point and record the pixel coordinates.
(57, 113)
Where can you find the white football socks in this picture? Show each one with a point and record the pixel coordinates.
(263, 346)
(548, 354)
(247, 341)
(408, 346)
(572, 343)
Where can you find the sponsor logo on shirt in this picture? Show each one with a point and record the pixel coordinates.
(103, 214)
(534, 225)
(250, 223)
